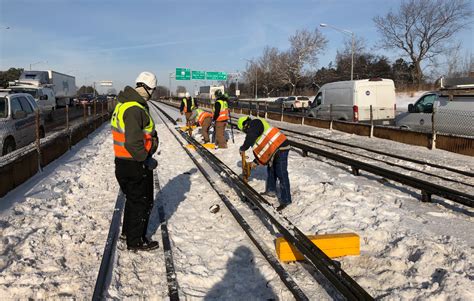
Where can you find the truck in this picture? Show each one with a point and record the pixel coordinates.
(209, 92)
(49, 88)
(451, 108)
(352, 100)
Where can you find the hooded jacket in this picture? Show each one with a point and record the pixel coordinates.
(135, 120)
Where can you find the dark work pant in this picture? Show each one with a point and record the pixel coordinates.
(279, 170)
(136, 183)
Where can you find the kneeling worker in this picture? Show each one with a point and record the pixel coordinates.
(203, 119)
(270, 147)
(135, 142)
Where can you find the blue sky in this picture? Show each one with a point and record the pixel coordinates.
(115, 40)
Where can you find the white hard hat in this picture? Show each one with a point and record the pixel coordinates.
(148, 79)
(187, 94)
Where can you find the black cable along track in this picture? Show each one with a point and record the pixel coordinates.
(341, 281)
(383, 161)
(282, 273)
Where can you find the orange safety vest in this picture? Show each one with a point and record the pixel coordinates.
(203, 116)
(224, 113)
(118, 130)
(268, 143)
(185, 100)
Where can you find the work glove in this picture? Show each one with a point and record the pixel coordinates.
(150, 163)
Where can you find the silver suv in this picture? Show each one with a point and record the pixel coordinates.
(17, 121)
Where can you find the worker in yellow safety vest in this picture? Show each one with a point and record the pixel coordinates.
(204, 120)
(135, 142)
(270, 147)
(188, 104)
(220, 118)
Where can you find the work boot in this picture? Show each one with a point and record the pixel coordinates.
(146, 245)
(281, 207)
(270, 194)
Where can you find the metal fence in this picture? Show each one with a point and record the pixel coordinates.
(453, 122)
(20, 130)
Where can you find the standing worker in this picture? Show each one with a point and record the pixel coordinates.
(220, 118)
(187, 106)
(270, 147)
(135, 142)
(203, 119)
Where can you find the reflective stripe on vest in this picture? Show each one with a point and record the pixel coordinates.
(118, 129)
(193, 106)
(203, 115)
(268, 143)
(224, 112)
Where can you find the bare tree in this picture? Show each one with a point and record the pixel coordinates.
(423, 29)
(305, 46)
(268, 67)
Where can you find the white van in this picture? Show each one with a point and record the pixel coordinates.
(351, 100)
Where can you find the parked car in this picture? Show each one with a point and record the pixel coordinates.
(351, 100)
(280, 100)
(101, 99)
(454, 112)
(296, 103)
(18, 121)
(86, 99)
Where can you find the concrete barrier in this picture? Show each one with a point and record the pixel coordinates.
(352, 128)
(293, 119)
(320, 123)
(403, 136)
(460, 145)
(274, 116)
(18, 171)
(53, 149)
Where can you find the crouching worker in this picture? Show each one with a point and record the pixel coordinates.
(135, 142)
(270, 147)
(204, 120)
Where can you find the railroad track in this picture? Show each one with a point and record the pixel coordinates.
(382, 164)
(339, 280)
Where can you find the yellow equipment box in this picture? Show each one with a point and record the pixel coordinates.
(185, 128)
(206, 145)
(333, 245)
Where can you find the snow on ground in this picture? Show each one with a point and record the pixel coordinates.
(53, 227)
(409, 249)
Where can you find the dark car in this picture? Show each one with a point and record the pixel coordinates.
(101, 99)
(85, 99)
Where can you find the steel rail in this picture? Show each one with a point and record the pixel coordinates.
(444, 178)
(425, 186)
(168, 253)
(455, 170)
(272, 260)
(339, 279)
(105, 271)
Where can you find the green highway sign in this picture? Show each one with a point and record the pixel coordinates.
(216, 76)
(198, 74)
(183, 74)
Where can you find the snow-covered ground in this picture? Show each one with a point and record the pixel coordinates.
(53, 229)
(409, 249)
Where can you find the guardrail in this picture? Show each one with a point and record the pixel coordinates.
(452, 143)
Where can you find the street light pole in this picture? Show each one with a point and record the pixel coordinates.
(32, 64)
(345, 31)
